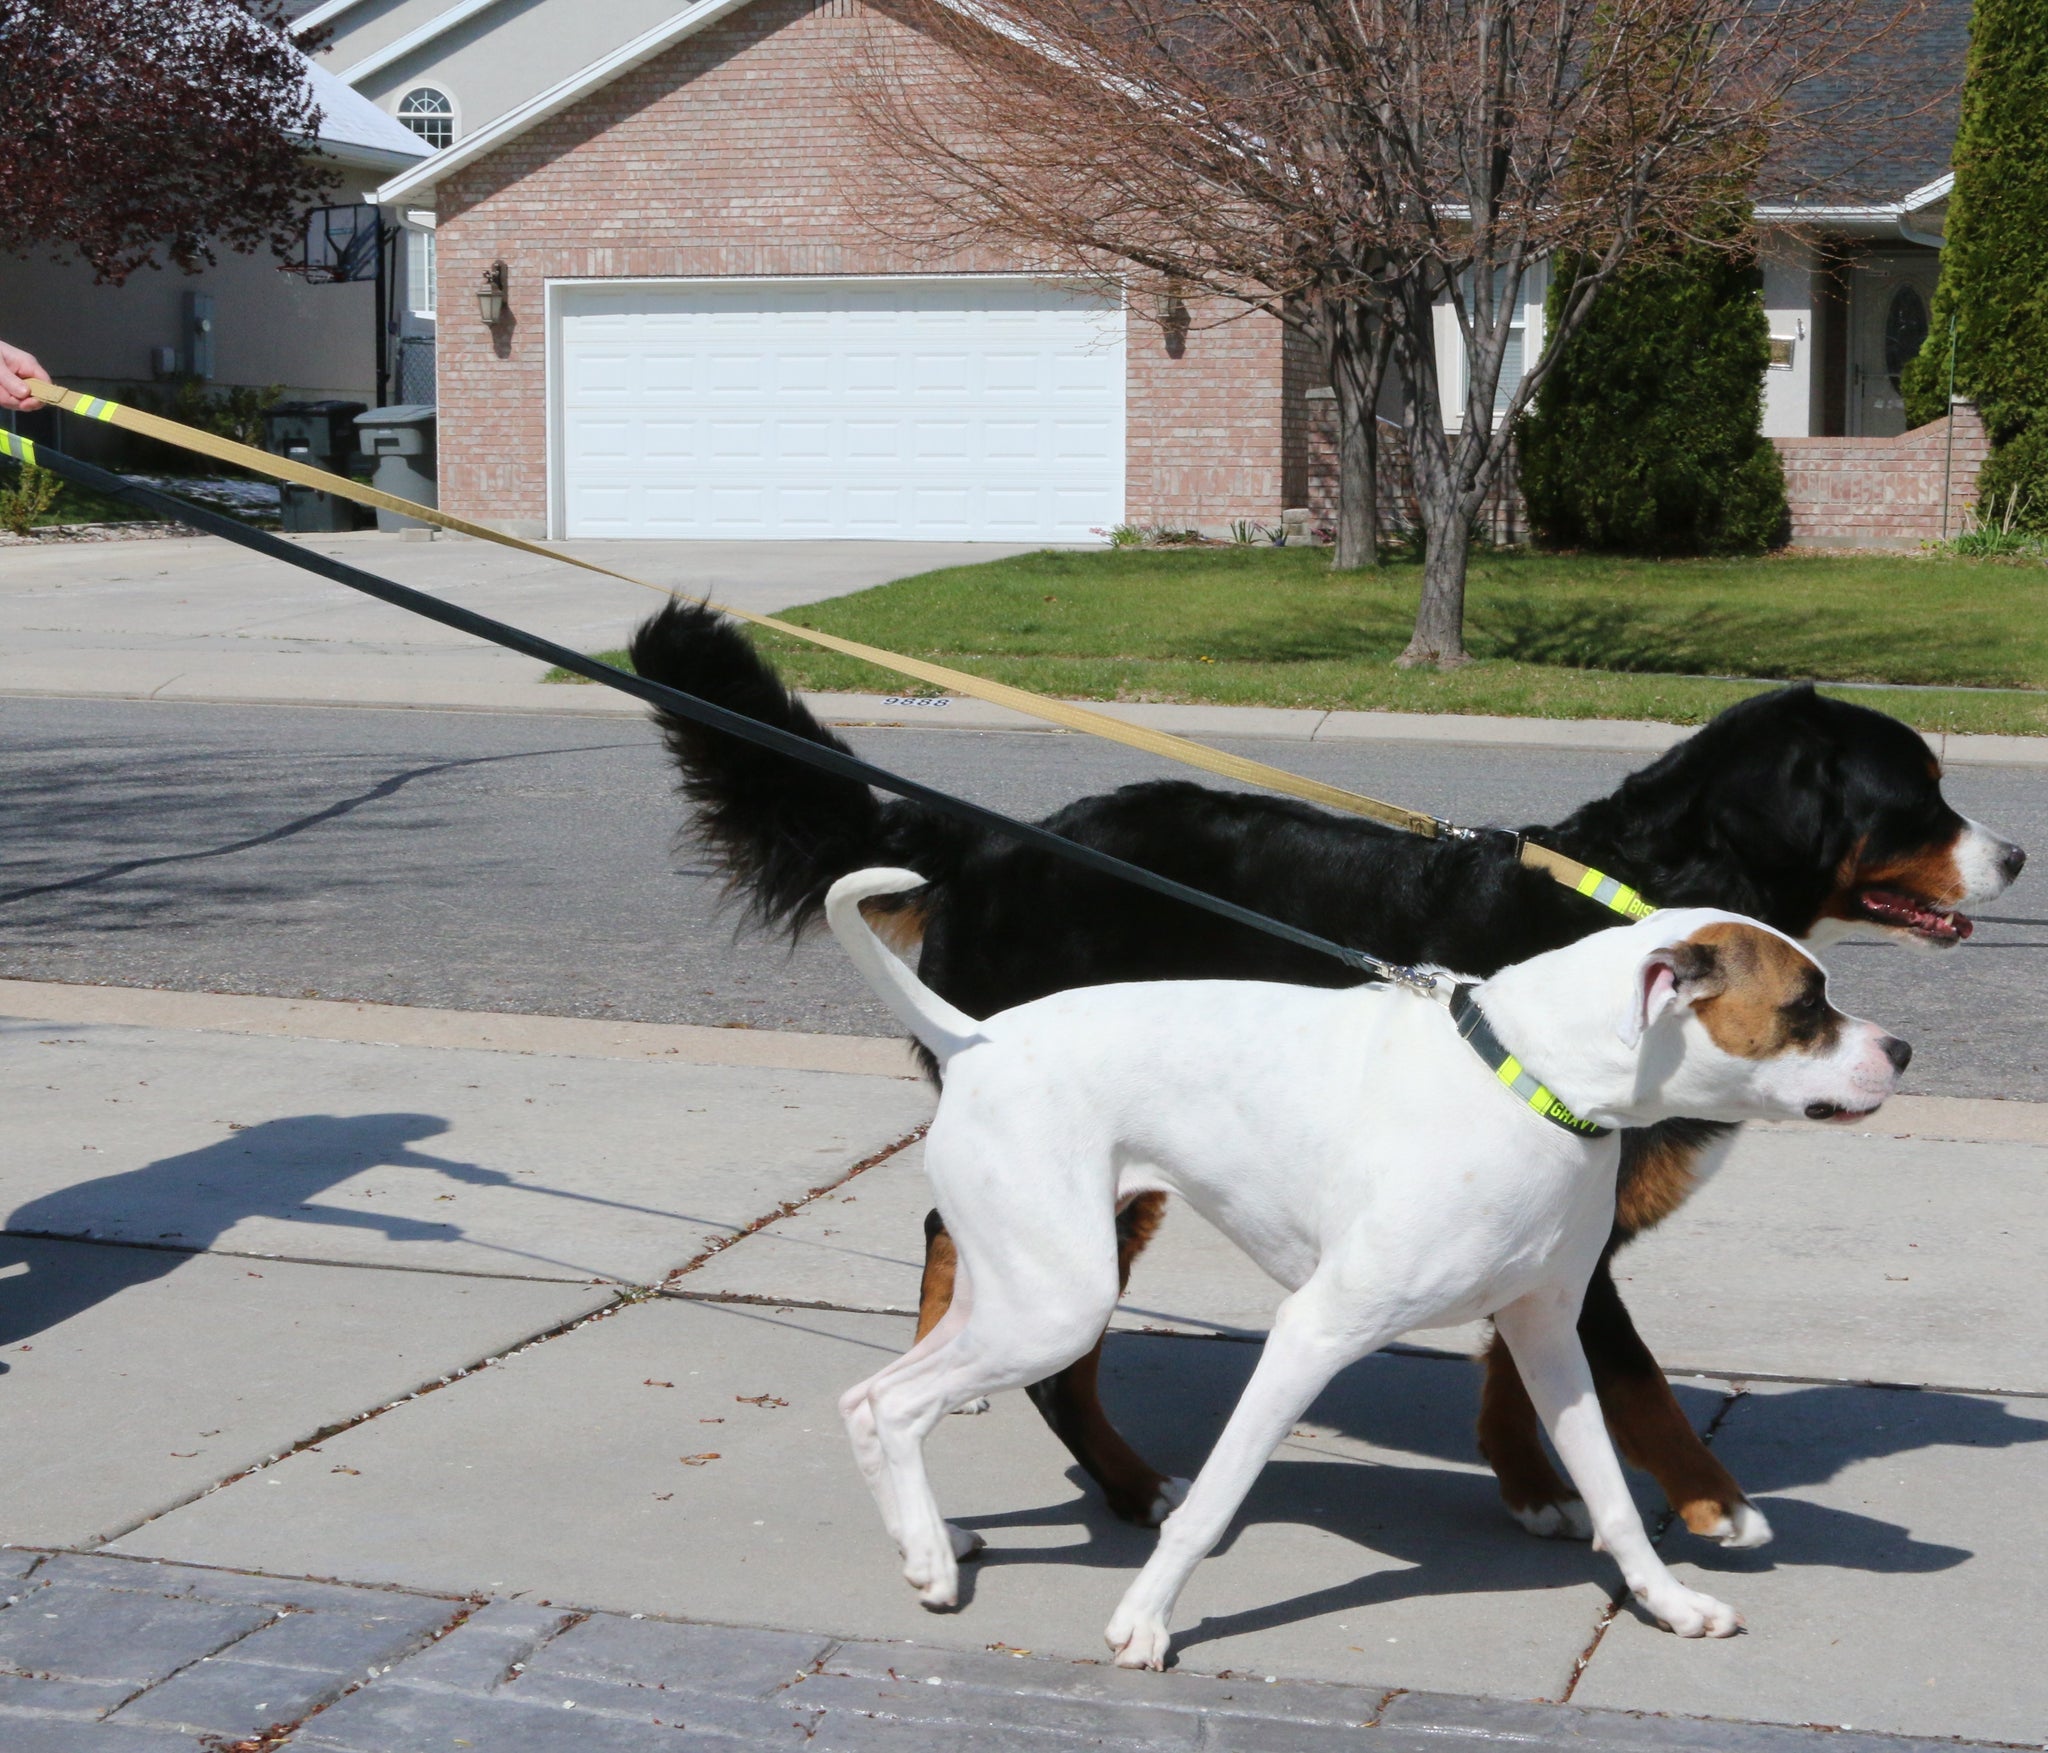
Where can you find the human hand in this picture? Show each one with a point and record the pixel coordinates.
(15, 366)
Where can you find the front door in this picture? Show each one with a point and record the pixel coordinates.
(1889, 298)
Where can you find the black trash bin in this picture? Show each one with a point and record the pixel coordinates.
(323, 435)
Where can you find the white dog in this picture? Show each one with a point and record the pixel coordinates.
(1382, 1155)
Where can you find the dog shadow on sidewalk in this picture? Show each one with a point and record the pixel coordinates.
(274, 1169)
(1440, 1524)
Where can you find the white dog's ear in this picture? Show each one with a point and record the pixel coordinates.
(1670, 977)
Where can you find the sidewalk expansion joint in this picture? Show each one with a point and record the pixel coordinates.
(314, 1260)
(311, 1444)
(1737, 1391)
(790, 1207)
(149, 1686)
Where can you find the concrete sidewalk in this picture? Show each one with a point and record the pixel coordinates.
(201, 620)
(549, 1314)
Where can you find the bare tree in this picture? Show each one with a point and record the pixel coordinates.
(1200, 157)
(1352, 167)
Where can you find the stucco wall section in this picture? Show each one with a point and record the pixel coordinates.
(1883, 492)
(268, 327)
(734, 154)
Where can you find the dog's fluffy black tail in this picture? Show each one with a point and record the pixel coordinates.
(781, 832)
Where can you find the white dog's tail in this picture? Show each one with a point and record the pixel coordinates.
(941, 1027)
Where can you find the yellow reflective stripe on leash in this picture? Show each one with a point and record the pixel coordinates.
(1065, 714)
(23, 450)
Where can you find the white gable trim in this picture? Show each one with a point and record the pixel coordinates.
(322, 14)
(400, 47)
(1939, 190)
(557, 98)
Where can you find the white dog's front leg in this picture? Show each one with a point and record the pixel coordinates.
(1299, 1359)
(1542, 1331)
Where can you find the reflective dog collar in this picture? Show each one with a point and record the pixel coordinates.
(1514, 1077)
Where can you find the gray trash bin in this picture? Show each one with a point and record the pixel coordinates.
(402, 441)
(315, 433)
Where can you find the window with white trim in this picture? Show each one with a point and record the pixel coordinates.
(430, 113)
(419, 272)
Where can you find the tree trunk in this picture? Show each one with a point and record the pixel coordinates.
(1356, 342)
(1439, 638)
(1447, 468)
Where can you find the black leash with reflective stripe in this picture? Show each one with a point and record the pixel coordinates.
(689, 706)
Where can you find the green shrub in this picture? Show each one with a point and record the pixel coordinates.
(1996, 260)
(31, 499)
(1646, 438)
(2012, 490)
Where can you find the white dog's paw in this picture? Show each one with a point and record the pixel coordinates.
(966, 1544)
(1563, 1519)
(1137, 1641)
(937, 1585)
(930, 1567)
(1688, 1612)
(971, 1408)
(1742, 1527)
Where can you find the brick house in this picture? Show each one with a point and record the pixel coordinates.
(704, 336)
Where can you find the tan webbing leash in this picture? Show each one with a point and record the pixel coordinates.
(1582, 878)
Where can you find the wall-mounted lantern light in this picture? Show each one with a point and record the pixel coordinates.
(490, 295)
(1174, 323)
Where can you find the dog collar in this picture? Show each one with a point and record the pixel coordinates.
(1514, 1076)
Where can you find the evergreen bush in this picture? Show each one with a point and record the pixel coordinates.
(1994, 270)
(1647, 436)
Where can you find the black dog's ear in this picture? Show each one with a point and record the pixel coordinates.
(1671, 977)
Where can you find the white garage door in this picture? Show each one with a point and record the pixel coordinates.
(915, 408)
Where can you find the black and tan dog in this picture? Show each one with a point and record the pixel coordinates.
(1820, 818)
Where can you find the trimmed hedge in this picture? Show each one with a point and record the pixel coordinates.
(1994, 271)
(1646, 438)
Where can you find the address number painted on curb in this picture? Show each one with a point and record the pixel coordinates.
(915, 700)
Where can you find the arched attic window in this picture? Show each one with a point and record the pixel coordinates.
(430, 113)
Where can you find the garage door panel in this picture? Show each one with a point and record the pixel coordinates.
(1084, 441)
(943, 441)
(804, 441)
(804, 511)
(803, 374)
(606, 441)
(940, 408)
(874, 441)
(671, 441)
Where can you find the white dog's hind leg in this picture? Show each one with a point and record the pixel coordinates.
(857, 1413)
(1542, 1332)
(1302, 1353)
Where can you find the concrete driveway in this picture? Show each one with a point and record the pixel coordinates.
(199, 619)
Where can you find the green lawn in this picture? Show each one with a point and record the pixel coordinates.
(1558, 636)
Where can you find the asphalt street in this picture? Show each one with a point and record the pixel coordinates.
(528, 863)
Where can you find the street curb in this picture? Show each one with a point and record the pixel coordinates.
(1632, 736)
(491, 1665)
(1957, 1119)
(392, 1025)
(1628, 736)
